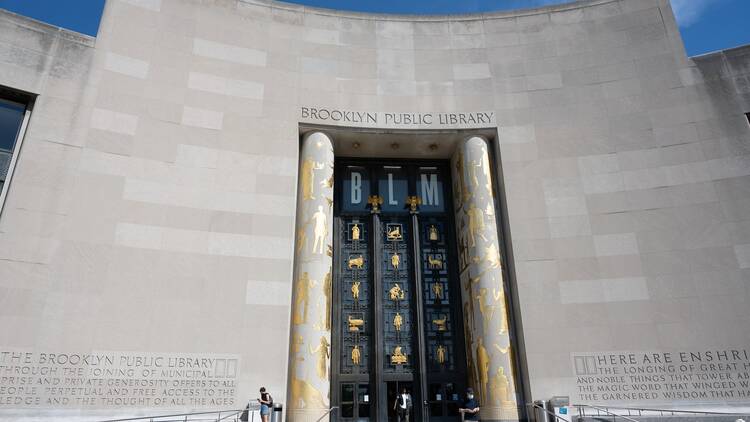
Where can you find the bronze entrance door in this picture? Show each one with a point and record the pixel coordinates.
(396, 314)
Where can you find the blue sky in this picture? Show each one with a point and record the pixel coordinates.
(706, 25)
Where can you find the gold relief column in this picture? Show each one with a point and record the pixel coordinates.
(485, 310)
(308, 381)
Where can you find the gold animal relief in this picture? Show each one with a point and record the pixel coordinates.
(393, 232)
(357, 262)
(435, 262)
(441, 324)
(355, 324)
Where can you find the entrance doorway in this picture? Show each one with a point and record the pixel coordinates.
(396, 314)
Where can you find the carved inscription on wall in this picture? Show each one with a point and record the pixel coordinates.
(663, 377)
(104, 379)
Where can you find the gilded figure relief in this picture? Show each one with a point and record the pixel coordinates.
(375, 201)
(434, 235)
(355, 324)
(323, 354)
(395, 261)
(396, 293)
(393, 232)
(483, 364)
(437, 290)
(308, 177)
(413, 202)
(492, 256)
(355, 232)
(302, 298)
(356, 355)
(398, 357)
(500, 388)
(487, 311)
(301, 240)
(320, 230)
(476, 224)
(357, 262)
(398, 320)
(327, 292)
(355, 290)
(440, 354)
(303, 393)
(435, 262)
(441, 323)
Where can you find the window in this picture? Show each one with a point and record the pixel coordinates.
(14, 114)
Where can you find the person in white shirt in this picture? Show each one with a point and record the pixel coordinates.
(402, 406)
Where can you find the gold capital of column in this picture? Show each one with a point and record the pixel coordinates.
(308, 383)
(488, 347)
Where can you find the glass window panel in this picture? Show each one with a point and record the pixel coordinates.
(347, 410)
(347, 392)
(11, 116)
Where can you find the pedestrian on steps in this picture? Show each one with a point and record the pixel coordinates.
(266, 404)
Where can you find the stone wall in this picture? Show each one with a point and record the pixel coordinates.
(152, 209)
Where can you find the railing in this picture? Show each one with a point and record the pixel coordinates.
(557, 417)
(643, 411)
(210, 416)
(328, 412)
(638, 411)
(599, 410)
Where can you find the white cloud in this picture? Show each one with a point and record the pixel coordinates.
(687, 12)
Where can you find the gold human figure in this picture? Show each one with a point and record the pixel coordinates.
(398, 320)
(440, 353)
(302, 300)
(492, 256)
(355, 290)
(476, 223)
(499, 296)
(473, 170)
(328, 183)
(398, 358)
(395, 261)
(434, 235)
(437, 289)
(483, 364)
(356, 355)
(301, 240)
(327, 292)
(320, 230)
(355, 232)
(486, 310)
(396, 293)
(500, 388)
(323, 356)
(308, 178)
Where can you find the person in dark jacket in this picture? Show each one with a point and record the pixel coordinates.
(403, 405)
(470, 408)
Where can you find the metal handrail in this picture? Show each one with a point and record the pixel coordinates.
(184, 415)
(671, 411)
(605, 410)
(327, 413)
(557, 417)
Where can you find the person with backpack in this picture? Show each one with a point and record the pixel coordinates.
(266, 404)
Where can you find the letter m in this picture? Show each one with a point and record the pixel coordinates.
(430, 193)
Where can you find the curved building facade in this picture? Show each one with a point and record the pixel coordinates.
(214, 196)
